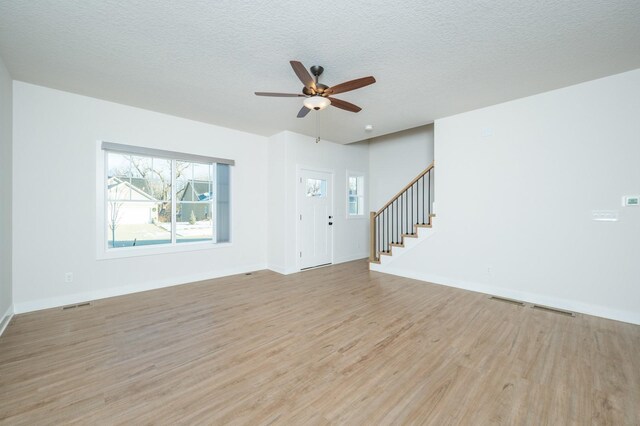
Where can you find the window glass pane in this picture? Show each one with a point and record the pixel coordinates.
(194, 222)
(195, 213)
(139, 207)
(353, 186)
(184, 174)
(140, 166)
(202, 182)
(223, 203)
(353, 206)
(356, 195)
(194, 181)
(118, 165)
(136, 223)
(202, 172)
(316, 187)
(138, 178)
(118, 189)
(158, 179)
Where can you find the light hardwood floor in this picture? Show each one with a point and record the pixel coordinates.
(334, 345)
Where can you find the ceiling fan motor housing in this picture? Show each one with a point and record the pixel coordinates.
(316, 70)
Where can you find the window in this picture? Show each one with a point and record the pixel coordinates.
(355, 195)
(316, 188)
(158, 198)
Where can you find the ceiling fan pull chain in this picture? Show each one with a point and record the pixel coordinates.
(317, 127)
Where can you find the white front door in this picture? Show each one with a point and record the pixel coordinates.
(315, 218)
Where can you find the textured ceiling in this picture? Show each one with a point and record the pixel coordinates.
(204, 59)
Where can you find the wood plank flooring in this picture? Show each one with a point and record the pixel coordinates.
(337, 345)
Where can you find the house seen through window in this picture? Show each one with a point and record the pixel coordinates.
(154, 200)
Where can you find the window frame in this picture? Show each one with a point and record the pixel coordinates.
(102, 239)
(363, 196)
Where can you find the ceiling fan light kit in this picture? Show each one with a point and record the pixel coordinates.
(318, 96)
(316, 102)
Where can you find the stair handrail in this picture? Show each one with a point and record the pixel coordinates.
(402, 191)
(374, 215)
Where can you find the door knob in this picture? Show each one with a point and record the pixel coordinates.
(330, 217)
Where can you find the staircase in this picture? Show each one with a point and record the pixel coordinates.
(403, 221)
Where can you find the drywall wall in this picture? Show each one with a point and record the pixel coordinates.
(395, 159)
(288, 152)
(516, 186)
(277, 202)
(6, 144)
(55, 186)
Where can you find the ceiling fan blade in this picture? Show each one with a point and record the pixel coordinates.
(350, 85)
(303, 75)
(303, 112)
(280, 95)
(348, 106)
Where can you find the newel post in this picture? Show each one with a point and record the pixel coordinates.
(372, 234)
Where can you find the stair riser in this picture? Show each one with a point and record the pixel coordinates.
(409, 244)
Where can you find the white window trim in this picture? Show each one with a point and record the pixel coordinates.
(102, 251)
(353, 173)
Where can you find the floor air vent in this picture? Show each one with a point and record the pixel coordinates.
(554, 310)
(511, 301)
(79, 305)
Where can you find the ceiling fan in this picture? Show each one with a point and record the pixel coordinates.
(317, 95)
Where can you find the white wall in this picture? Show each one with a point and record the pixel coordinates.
(54, 211)
(277, 201)
(516, 184)
(6, 138)
(288, 151)
(395, 159)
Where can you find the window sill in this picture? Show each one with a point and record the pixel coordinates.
(126, 252)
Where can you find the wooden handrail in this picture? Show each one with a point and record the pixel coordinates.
(403, 190)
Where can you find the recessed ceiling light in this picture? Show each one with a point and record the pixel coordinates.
(368, 128)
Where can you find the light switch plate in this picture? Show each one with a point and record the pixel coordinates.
(605, 215)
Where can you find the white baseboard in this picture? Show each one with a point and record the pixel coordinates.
(541, 299)
(6, 319)
(286, 271)
(351, 258)
(69, 299)
(277, 268)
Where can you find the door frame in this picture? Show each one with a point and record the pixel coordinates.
(299, 169)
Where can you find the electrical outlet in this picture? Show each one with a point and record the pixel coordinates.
(631, 200)
(68, 277)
